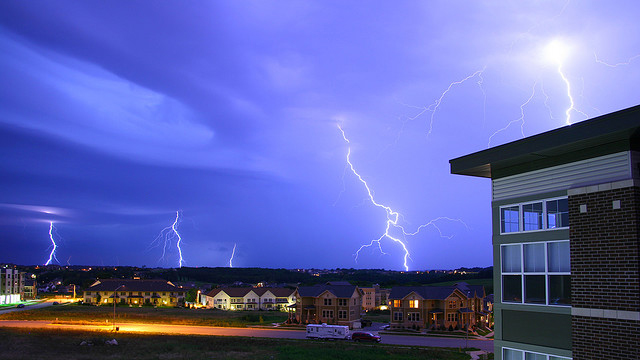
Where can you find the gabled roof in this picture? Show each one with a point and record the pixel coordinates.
(133, 285)
(427, 292)
(340, 291)
(243, 291)
(470, 290)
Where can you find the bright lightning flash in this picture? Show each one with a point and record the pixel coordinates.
(393, 217)
(556, 52)
(167, 236)
(52, 255)
(233, 253)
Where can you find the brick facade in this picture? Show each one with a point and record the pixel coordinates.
(605, 250)
(605, 272)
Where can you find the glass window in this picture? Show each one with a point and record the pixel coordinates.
(510, 354)
(511, 258)
(534, 289)
(559, 259)
(509, 219)
(532, 356)
(512, 288)
(557, 213)
(534, 258)
(559, 289)
(532, 216)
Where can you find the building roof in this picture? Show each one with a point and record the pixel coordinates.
(606, 134)
(340, 291)
(470, 290)
(243, 291)
(134, 285)
(426, 292)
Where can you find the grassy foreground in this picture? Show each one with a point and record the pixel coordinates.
(55, 343)
(178, 316)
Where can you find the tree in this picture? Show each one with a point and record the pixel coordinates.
(191, 295)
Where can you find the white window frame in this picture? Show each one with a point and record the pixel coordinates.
(522, 273)
(525, 352)
(521, 216)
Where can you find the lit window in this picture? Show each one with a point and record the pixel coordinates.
(397, 303)
(414, 304)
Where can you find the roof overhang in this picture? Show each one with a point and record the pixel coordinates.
(606, 134)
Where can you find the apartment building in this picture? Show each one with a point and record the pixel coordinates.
(337, 303)
(566, 222)
(438, 307)
(11, 284)
(134, 292)
(249, 298)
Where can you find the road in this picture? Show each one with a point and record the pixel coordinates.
(486, 345)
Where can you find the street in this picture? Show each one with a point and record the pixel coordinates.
(408, 340)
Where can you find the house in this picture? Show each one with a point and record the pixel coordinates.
(249, 298)
(337, 303)
(566, 221)
(437, 307)
(134, 292)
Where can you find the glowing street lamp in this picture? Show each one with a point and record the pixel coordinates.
(115, 295)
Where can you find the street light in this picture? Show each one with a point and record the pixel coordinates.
(115, 295)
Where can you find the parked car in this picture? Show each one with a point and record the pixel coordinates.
(366, 323)
(20, 306)
(55, 303)
(365, 336)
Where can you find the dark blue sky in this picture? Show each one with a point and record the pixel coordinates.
(115, 115)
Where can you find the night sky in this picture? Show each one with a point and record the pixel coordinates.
(114, 115)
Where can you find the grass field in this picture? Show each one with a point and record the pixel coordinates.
(18, 344)
(178, 316)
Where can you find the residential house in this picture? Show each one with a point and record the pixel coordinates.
(566, 239)
(134, 292)
(249, 298)
(333, 303)
(437, 307)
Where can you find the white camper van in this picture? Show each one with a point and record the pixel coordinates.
(324, 331)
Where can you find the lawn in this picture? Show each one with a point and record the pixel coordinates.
(178, 316)
(54, 343)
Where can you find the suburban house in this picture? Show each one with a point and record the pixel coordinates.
(438, 307)
(249, 298)
(335, 303)
(134, 292)
(566, 228)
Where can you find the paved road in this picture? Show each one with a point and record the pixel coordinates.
(486, 345)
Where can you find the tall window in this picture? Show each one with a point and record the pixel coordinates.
(536, 273)
(342, 302)
(342, 314)
(397, 316)
(414, 304)
(327, 302)
(545, 214)
(397, 303)
(327, 314)
(413, 316)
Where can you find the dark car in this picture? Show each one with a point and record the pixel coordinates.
(55, 303)
(365, 336)
(20, 306)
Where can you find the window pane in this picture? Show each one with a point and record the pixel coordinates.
(559, 259)
(508, 354)
(559, 289)
(551, 357)
(532, 356)
(534, 289)
(557, 213)
(509, 217)
(511, 258)
(534, 257)
(532, 215)
(512, 288)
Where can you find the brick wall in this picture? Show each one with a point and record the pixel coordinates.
(599, 338)
(605, 270)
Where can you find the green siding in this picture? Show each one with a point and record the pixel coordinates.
(535, 328)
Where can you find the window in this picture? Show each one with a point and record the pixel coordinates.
(342, 302)
(532, 216)
(453, 304)
(509, 219)
(397, 316)
(546, 214)
(327, 302)
(536, 273)
(414, 304)
(452, 317)
(397, 303)
(413, 316)
(327, 314)
(342, 314)
(513, 354)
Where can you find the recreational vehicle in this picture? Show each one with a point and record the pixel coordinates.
(324, 331)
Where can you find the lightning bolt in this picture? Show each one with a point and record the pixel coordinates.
(617, 64)
(52, 255)
(233, 253)
(520, 119)
(167, 236)
(393, 216)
